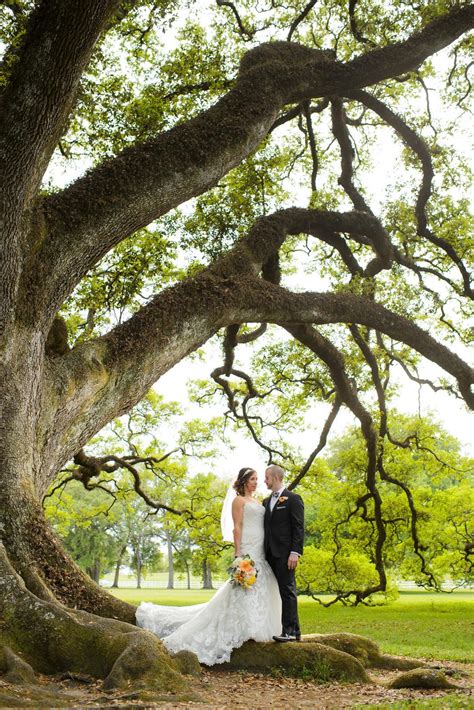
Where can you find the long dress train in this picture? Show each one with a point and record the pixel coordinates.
(233, 615)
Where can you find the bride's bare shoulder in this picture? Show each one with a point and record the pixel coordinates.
(238, 502)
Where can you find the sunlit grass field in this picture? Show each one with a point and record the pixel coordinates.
(417, 624)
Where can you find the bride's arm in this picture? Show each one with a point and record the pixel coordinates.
(238, 518)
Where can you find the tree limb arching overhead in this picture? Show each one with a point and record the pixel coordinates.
(146, 181)
(180, 319)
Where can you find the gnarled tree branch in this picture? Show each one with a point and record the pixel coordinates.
(419, 147)
(180, 319)
(149, 179)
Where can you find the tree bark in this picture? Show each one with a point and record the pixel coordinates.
(115, 583)
(206, 575)
(169, 549)
(53, 638)
(45, 566)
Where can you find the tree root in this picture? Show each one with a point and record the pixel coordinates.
(308, 659)
(52, 638)
(365, 650)
(422, 678)
(321, 657)
(50, 573)
(16, 671)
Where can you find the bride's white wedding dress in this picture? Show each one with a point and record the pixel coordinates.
(233, 615)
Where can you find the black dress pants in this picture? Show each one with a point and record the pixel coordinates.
(287, 586)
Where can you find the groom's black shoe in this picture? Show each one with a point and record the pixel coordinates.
(284, 638)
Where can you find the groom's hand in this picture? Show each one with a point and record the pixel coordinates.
(293, 560)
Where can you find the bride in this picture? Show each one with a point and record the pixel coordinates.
(234, 614)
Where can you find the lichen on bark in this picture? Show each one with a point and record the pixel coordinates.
(52, 637)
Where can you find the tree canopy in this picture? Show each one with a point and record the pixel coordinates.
(174, 172)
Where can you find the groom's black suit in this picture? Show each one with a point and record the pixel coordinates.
(284, 533)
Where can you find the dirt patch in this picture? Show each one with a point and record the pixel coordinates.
(218, 688)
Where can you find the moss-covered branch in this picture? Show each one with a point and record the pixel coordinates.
(84, 221)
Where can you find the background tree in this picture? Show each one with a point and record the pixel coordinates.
(206, 493)
(87, 526)
(119, 501)
(340, 557)
(143, 541)
(182, 556)
(168, 128)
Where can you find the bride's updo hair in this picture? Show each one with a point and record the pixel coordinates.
(242, 478)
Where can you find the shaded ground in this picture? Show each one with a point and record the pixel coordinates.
(223, 689)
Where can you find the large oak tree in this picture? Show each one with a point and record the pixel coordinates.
(316, 60)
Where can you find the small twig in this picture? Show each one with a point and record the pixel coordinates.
(247, 34)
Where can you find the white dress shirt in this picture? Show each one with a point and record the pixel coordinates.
(275, 496)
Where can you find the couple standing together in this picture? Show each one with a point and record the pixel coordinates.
(272, 535)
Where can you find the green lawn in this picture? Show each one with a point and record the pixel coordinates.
(173, 597)
(417, 624)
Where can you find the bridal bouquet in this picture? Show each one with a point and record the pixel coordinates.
(243, 572)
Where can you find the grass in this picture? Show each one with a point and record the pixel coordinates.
(169, 597)
(418, 624)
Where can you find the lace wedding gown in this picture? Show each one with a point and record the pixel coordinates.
(233, 615)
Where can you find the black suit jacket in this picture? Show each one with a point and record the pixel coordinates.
(284, 526)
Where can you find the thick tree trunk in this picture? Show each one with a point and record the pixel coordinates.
(94, 571)
(37, 580)
(53, 638)
(117, 568)
(188, 574)
(40, 559)
(206, 575)
(169, 548)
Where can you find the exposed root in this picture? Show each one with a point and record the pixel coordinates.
(422, 678)
(320, 663)
(365, 650)
(52, 638)
(17, 671)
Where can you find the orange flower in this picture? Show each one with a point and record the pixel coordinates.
(243, 572)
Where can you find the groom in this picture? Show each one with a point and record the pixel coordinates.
(284, 534)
